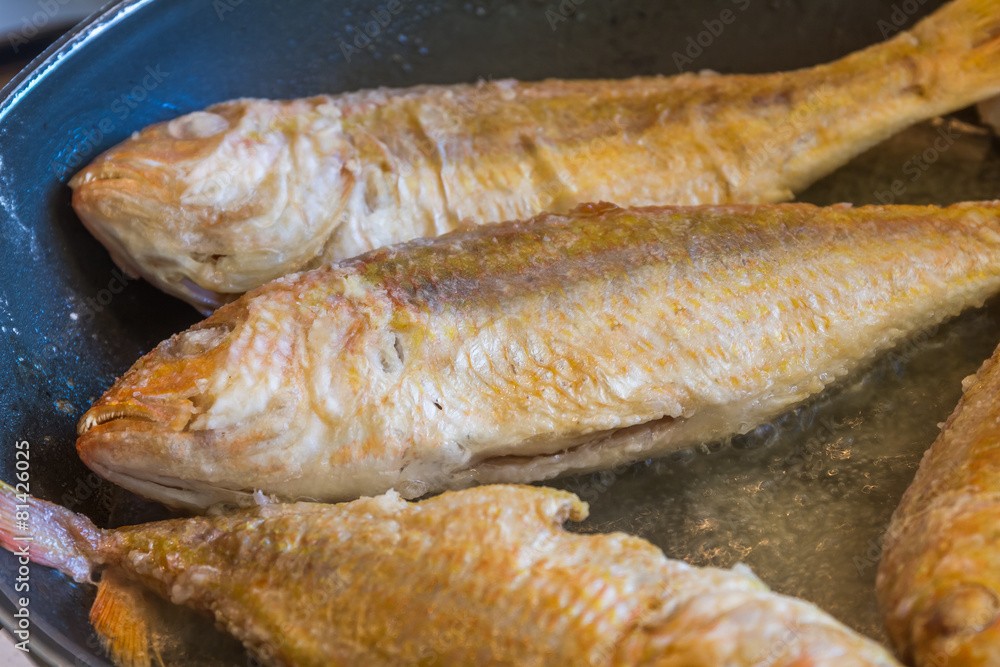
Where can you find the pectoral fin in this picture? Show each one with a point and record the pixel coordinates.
(120, 619)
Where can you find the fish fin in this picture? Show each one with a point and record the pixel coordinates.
(119, 619)
(48, 534)
(138, 627)
(963, 40)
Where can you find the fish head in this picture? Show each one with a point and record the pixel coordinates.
(161, 431)
(216, 202)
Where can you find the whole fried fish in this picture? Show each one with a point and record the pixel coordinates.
(524, 350)
(939, 577)
(479, 577)
(214, 203)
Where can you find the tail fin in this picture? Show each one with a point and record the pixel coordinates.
(962, 40)
(47, 534)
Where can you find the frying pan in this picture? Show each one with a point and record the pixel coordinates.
(70, 323)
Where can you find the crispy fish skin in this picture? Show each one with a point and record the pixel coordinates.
(478, 577)
(939, 577)
(524, 350)
(212, 204)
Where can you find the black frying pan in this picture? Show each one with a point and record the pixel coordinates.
(70, 323)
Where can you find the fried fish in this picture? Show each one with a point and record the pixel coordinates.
(939, 577)
(520, 351)
(217, 202)
(479, 577)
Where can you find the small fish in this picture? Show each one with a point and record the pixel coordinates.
(939, 578)
(217, 202)
(524, 350)
(479, 577)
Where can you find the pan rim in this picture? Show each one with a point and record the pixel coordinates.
(48, 645)
(62, 48)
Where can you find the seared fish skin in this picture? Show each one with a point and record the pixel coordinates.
(217, 202)
(520, 351)
(939, 578)
(478, 577)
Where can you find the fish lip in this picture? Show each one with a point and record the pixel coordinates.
(108, 419)
(172, 416)
(159, 463)
(102, 174)
(126, 452)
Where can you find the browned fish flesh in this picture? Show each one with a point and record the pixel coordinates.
(524, 350)
(939, 577)
(478, 577)
(214, 203)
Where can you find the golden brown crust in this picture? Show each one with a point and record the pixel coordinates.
(939, 579)
(524, 350)
(217, 202)
(479, 577)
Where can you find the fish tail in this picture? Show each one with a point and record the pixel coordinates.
(47, 534)
(50, 535)
(962, 44)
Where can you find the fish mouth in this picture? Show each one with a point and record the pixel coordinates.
(204, 299)
(96, 417)
(136, 452)
(173, 416)
(110, 170)
(92, 185)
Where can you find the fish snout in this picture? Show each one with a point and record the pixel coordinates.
(163, 389)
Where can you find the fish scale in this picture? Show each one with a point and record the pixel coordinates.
(421, 367)
(217, 202)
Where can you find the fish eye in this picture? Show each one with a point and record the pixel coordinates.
(195, 342)
(197, 125)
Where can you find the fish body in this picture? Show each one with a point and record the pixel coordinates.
(214, 203)
(939, 577)
(525, 350)
(478, 577)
